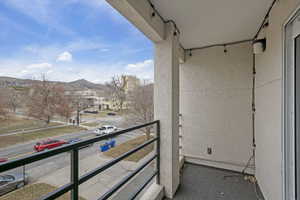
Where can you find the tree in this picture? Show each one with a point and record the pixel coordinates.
(64, 106)
(141, 108)
(13, 99)
(3, 106)
(46, 100)
(117, 89)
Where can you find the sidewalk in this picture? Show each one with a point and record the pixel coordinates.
(95, 186)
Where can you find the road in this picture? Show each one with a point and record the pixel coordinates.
(89, 157)
(19, 150)
(41, 168)
(26, 148)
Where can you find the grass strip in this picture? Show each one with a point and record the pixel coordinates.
(21, 138)
(33, 192)
(127, 146)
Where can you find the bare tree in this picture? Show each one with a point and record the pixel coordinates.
(64, 106)
(117, 89)
(13, 99)
(3, 106)
(141, 109)
(45, 100)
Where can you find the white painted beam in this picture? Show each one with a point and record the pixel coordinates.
(180, 54)
(139, 12)
(166, 109)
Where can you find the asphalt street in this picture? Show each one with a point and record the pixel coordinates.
(22, 149)
(41, 168)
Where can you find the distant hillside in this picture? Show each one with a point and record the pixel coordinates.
(9, 82)
(80, 84)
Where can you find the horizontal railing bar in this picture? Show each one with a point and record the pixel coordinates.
(58, 192)
(42, 155)
(143, 186)
(126, 179)
(107, 165)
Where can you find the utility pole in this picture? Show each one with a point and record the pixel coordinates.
(78, 113)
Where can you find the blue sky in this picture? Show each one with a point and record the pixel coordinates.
(70, 39)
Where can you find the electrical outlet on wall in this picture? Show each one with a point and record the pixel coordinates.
(209, 150)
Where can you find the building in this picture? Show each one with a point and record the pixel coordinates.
(131, 82)
(91, 97)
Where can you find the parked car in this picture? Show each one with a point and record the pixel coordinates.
(10, 182)
(91, 112)
(111, 114)
(74, 140)
(48, 144)
(2, 160)
(105, 130)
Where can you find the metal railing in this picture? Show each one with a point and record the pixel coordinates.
(75, 181)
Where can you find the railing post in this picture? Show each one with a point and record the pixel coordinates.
(158, 151)
(74, 174)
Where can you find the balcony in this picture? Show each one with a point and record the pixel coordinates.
(197, 181)
(206, 183)
(229, 68)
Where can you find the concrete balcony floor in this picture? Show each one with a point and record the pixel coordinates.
(206, 183)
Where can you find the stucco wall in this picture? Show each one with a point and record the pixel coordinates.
(269, 103)
(215, 103)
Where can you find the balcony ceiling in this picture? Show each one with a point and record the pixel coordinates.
(207, 22)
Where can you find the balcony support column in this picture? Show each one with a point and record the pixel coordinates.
(166, 108)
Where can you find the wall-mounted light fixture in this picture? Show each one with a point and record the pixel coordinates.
(259, 45)
(225, 49)
(153, 10)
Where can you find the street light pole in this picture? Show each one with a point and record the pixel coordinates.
(78, 117)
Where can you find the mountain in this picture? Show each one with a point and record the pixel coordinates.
(10, 82)
(80, 84)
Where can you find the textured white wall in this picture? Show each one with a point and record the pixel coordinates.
(268, 104)
(166, 109)
(215, 102)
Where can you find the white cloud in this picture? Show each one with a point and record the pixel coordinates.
(143, 70)
(66, 71)
(39, 66)
(140, 65)
(65, 57)
(51, 52)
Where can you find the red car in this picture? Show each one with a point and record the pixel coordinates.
(48, 144)
(2, 160)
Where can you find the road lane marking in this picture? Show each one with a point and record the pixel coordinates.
(20, 155)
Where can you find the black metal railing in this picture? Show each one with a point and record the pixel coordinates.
(75, 181)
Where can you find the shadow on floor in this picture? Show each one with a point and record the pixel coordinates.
(206, 183)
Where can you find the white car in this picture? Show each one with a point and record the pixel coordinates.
(105, 130)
